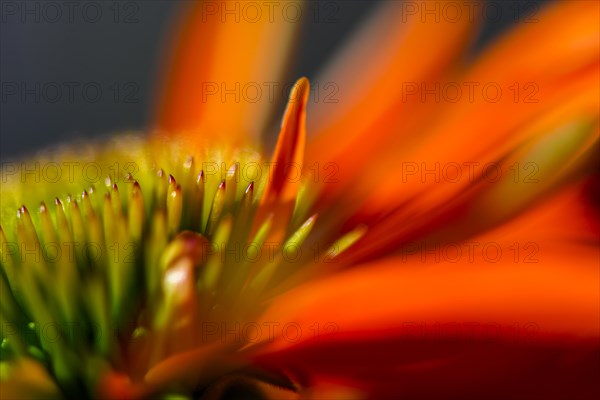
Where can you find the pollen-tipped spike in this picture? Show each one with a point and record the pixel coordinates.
(160, 191)
(137, 213)
(247, 199)
(200, 177)
(86, 204)
(216, 209)
(65, 263)
(298, 238)
(27, 223)
(77, 228)
(346, 241)
(116, 200)
(97, 200)
(197, 203)
(109, 220)
(28, 239)
(62, 224)
(93, 228)
(174, 208)
(46, 227)
(172, 181)
(188, 183)
(244, 215)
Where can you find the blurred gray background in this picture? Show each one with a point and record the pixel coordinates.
(71, 70)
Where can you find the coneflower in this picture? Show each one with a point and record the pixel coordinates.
(196, 265)
(117, 282)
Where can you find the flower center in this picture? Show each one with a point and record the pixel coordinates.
(136, 291)
(132, 275)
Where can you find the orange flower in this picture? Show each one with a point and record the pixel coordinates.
(455, 253)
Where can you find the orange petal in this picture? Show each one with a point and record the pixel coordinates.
(558, 157)
(283, 183)
(422, 176)
(482, 130)
(541, 43)
(564, 219)
(445, 329)
(491, 137)
(412, 200)
(218, 74)
(422, 326)
(290, 147)
(396, 47)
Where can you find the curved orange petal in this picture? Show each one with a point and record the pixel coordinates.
(463, 132)
(488, 142)
(460, 209)
(566, 27)
(289, 151)
(416, 326)
(559, 146)
(568, 218)
(206, 93)
(281, 188)
(394, 48)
